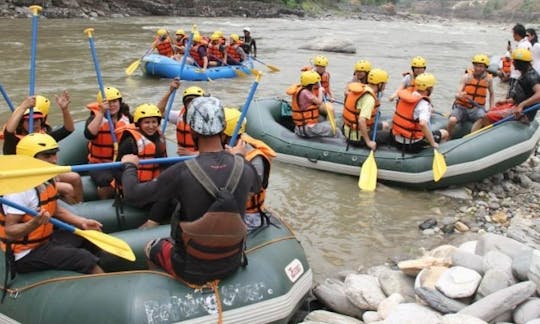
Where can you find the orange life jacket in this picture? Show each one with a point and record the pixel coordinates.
(165, 48)
(256, 202)
(146, 149)
(194, 52)
(325, 82)
(302, 117)
(215, 52)
(101, 148)
(355, 91)
(47, 195)
(232, 53)
(476, 90)
(183, 132)
(403, 122)
(506, 64)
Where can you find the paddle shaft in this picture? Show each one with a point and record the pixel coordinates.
(173, 95)
(245, 109)
(6, 98)
(54, 221)
(267, 65)
(32, 83)
(89, 31)
(511, 117)
(115, 165)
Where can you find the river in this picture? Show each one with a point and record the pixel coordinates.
(339, 226)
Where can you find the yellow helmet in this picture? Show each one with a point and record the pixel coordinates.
(418, 62)
(111, 93)
(197, 38)
(424, 81)
(231, 118)
(481, 58)
(320, 61)
(193, 91)
(35, 143)
(235, 37)
(180, 32)
(219, 33)
(522, 54)
(42, 106)
(161, 32)
(377, 76)
(362, 66)
(146, 110)
(214, 37)
(309, 77)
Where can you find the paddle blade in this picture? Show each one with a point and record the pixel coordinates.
(331, 117)
(108, 243)
(240, 73)
(132, 67)
(368, 174)
(439, 166)
(20, 172)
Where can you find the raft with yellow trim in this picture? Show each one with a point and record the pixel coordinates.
(468, 159)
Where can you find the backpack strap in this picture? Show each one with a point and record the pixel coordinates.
(209, 185)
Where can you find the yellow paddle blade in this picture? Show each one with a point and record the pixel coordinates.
(108, 243)
(368, 174)
(331, 118)
(240, 73)
(439, 165)
(273, 68)
(133, 66)
(20, 172)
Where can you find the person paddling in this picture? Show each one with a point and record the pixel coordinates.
(418, 66)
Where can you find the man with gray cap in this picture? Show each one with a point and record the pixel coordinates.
(207, 231)
(249, 43)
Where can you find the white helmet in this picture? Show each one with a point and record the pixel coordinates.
(247, 29)
(206, 116)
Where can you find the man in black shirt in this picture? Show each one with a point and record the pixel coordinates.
(249, 46)
(182, 255)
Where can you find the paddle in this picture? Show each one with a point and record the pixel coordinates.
(88, 32)
(272, 68)
(35, 17)
(239, 73)
(133, 66)
(505, 119)
(253, 71)
(245, 108)
(6, 98)
(104, 241)
(20, 172)
(368, 172)
(329, 111)
(182, 65)
(439, 165)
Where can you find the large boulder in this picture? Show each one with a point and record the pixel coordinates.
(330, 45)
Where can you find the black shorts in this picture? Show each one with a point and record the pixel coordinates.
(102, 178)
(64, 251)
(418, 146)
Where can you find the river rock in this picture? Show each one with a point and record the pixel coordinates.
(427, 278)
(493, 242)
(527, 311)
(456, 193)
(438, 301)
(525, 230)
(331, 293)
(371, 316)
(468, 260)
(393, 281)
(493, 280)
(413, 267)
(387, 305)
(330, 45)
(534, 321)
(521, 265)
(469, 246)
(458, 282)
(428, 223)
(534, 269)
(461, 319)
(323, 316)
(495, 260)
(413, 313)
(364, 291)
(491, 306)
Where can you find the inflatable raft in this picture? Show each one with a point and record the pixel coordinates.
(165, 67)
(468, 159)
(270, 289)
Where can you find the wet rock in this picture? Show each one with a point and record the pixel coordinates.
(330, 45)
(392, 282)
(331, 293)
(412, 313)
(489, 307)
(364, 291)
(458, 282)
(461, 227)
(527, 311)
(456, 193)
(428, 223)
(461, 319)
(448, 229)
(438, 301)
(323, 316)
